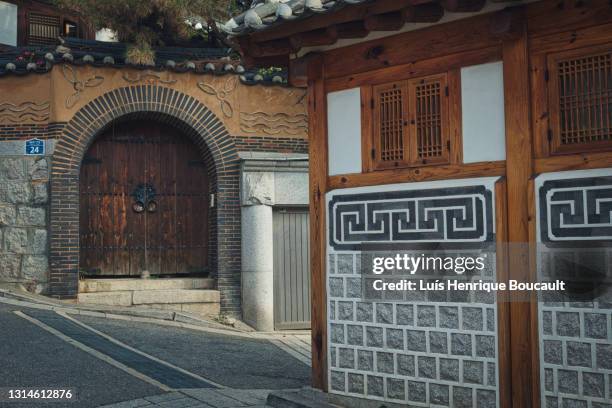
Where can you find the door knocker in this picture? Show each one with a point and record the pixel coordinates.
(144, 196)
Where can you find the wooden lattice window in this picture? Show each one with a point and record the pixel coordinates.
(580, 92)
(43, 29)
(410, 123)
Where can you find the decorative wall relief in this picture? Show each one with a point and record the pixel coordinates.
(79, 86)
(222, 94)
(24, 112)
(273, 123)
(148, 77)
(459, 215)
(576, 209)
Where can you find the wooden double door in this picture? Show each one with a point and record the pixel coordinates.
(143, 203)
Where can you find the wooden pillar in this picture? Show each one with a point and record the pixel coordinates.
(317, 135)
(519, 162)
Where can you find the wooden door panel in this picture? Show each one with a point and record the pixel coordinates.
(171, 239)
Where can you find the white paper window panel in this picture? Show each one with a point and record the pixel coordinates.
(344, 131)
(8, 23)
(482, 107)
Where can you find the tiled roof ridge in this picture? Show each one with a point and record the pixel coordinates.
(40, 60)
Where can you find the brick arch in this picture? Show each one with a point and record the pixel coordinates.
(156, 103)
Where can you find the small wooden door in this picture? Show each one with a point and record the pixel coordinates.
(291, 269)
(143, 203)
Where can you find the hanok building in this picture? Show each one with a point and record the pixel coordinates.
(110, 171)
(444, 124)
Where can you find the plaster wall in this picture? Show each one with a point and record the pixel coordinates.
(8, 23)
(344, 131)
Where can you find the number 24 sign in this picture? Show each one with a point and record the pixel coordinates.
(35, 147)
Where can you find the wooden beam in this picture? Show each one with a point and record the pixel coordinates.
(353, 29)
(463, 6)
(441, 39)
(392, 21)
(426, 13)
(317, 132)
(323, 36)
(424, 173)
(272, 48)
(518, 173)
(507, 23)
(573, 162)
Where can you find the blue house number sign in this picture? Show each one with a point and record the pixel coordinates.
(35, 147)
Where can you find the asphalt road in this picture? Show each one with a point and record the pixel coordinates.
(32, 357)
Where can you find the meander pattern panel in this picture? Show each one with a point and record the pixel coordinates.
(418, 350)
(574, 210)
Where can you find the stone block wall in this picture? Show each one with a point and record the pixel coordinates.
(417, 350)
(575, 336)
(24, 198)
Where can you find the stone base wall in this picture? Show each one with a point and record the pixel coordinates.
(24, 198)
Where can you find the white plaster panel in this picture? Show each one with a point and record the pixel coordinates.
(344, 131)
(8, 23)
(482, 106)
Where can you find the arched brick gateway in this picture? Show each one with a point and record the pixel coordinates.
(157, 103)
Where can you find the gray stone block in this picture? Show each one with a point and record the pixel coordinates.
(491, 320)
(486, 399)
(439, 394)
(485, 346)
(384, 313)
(491, 374)
(567, 381)
(405, 365)
(333, 351)
(30, 216)
(374, 336)
(338, 380)
(365, 360)
(365, 312)
(594, 385)
(354, 335)
(35, 267)
(14, 192)
(16, 240)
(547, 323)
(461, 344)
(472, 318)
(427, 367)
(332, 310)
(396, 389)
(395, 339)
(38, 169)
(473, 372)
(353, 288)
(356, 383)
(568, 324)
(375, 386)
(417, 391)
(604, 356)
(12, 170)
(553, 352)
(578, 354)
(40, 193)
(384, 362)
(345, 264)
(601, 405)
(404, 314)
(8, 215)
(449, 317)
(10, 265)
(331, 264)
(336, 287)
(595, 325)
(549, 379)
(426, 316)
(449, 369)
(438, 342)
(337, 333)
(416, 340)
(573, 403)
(462, 397)
(346, 358)
(345, 311)
(552, 402)
(39, 242)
